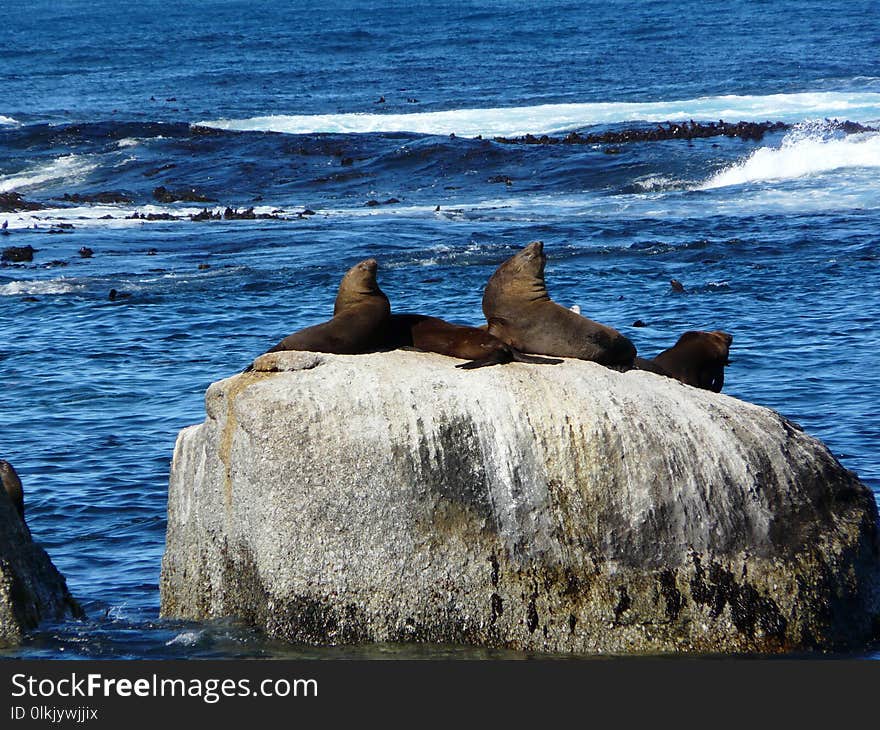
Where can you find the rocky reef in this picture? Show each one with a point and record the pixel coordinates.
(572, 509)
(31, 588)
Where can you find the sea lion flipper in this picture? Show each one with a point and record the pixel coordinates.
(522, 357)
(499, 357)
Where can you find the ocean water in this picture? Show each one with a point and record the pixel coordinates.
(277, 106)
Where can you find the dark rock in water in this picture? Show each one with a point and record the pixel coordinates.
(204, 267)
(11, 202)
(639, 323)
(57, 262)
(86, 252)
(29, 299)
(676, 285)
(188, 195)
(115, 294)
(380, 100)
(18, 254)
(372, 203)
(4, 229)
(307, 211)
(152, 217)
(205, 215)
(500, 179)
(103, 197)
(153, 171)
(197, 131)
(752, 131)
(31, 588)
(346, 161)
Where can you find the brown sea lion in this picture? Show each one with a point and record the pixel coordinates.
(12, 486)
(432, 334)
(360, 317)
(521, 313)
(697, 359)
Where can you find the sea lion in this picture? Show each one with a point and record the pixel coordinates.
(521, 313)
(433, 334)
(360, 317)
(12, 486)
(697, 359)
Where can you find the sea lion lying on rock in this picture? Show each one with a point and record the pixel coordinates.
(520, 312)
(360, 317)
(432, 334)
(697, 359)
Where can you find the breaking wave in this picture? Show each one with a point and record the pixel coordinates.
(804, 151)
(554, 118)
(68, 167)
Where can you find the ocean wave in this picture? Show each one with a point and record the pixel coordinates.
(7, 120)
(806, 150)
(35, 287)
(68, 167)
(554, 118)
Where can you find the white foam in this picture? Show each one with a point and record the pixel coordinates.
(7, 120)
(186, 638)
(96, 216)
(803, 152)
(554, 118)
(68, 167)
(36, 287)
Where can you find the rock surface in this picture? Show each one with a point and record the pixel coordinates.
(568, 508)
(31, 588)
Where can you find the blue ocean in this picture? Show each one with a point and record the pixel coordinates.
(336, 130)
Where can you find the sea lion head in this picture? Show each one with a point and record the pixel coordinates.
(704, 355)
(528, 262)
(358, 284)
(520, 278)
(12, 485)
(709, 347)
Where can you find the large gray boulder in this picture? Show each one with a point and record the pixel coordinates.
(31, 588)
(569, 508)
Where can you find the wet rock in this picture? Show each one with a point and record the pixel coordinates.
(564, 509)
(107, 198)
(86, 253)
(189, 195)
(11, 202)
(31, 588)
(152, 217)
(153, 171)
(18, 254)
(689, 130)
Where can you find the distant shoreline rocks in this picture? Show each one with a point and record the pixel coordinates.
(753, 131)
